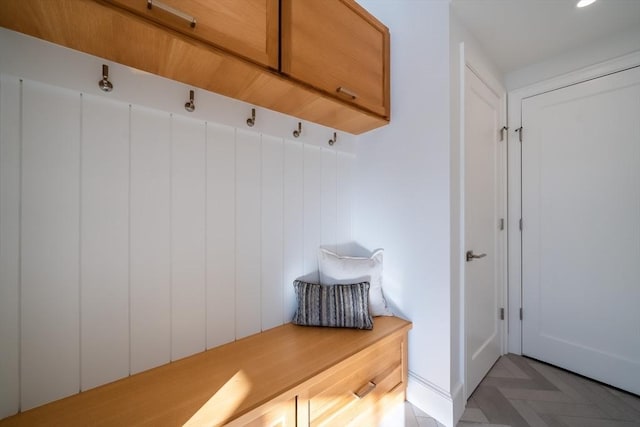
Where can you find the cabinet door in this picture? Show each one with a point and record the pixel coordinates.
(338, 47)
(248, 28)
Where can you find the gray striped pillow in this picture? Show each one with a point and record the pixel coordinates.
(336, 306)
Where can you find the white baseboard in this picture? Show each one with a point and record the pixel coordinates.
(459, 402)
(439, 403)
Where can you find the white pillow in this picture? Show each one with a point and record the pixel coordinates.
(343, 270)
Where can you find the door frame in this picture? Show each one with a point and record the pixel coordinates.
(469, 59)
(514, 178)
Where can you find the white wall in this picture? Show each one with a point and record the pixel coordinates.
(616, 45)
(403, 196)
(134, 233)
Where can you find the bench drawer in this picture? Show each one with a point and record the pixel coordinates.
(358, 388)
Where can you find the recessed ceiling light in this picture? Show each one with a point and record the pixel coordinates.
(584, 3)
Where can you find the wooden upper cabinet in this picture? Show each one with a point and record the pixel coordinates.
(247, 28)
(336, 46)
(233, 49)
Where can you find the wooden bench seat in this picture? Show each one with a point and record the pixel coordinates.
(270, 378)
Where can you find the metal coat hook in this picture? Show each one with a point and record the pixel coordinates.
(105, 84)
(190, 106)
(335, 138)
(298, 132)
(252, 120)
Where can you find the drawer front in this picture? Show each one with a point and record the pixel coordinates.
(277, 414)
(359, 388)
(248, 28)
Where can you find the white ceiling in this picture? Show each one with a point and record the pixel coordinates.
(517, 33)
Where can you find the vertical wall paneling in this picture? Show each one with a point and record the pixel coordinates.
(150, 239)
(344, 197)
(50, 341)
(272, 232)
(220, 235)
(293, 231)
(9, 245)
(329, 197)
(312, 210)
(248, 236)
(188, 264)
(293, 219)
(104, 269)
(130, 237)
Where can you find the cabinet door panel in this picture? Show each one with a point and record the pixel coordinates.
(338, 47)
(248, 28)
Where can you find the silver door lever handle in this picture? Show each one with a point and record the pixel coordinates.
(471, 256)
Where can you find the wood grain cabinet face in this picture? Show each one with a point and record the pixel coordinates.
(359, 391)
(247, 28)
(289, 376)
(234, 49)
(281, 414)
(338, 47)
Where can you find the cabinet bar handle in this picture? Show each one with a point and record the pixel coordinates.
(345, 91)
(368, 388)
(180, 14)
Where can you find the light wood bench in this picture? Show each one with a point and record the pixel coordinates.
(286, 376)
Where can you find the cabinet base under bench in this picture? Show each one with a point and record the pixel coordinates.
(286, 376)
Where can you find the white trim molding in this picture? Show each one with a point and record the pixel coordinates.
(446, 407)
(514, 115)
(459, 402)
(39, 60)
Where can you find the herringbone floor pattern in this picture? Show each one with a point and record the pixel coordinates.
(521, 392)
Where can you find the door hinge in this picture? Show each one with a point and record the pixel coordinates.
(520, 313)
(520, 224)
(519, 130)
(501, 313)
(501, 225)
(502, 131)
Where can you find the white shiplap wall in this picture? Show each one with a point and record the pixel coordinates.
(131, 236)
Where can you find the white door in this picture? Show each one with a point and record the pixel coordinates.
(581, 228)
(483, 154)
